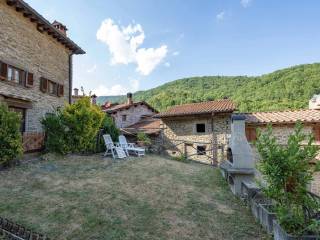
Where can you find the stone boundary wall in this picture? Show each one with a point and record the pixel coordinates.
(11, 230)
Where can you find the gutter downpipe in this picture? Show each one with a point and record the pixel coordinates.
(70, 77)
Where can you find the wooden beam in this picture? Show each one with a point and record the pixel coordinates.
(11, 2)
(27, 14)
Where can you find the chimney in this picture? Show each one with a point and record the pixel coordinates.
(62, 28)
(76, 92)
(129, 97)
(314, 102)
(94, 99)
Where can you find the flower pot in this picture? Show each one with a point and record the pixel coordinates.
(255, 205)
(280, 234)
(141, 144)
(266, 217)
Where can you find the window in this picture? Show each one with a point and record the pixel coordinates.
(124, 118)
(201, 150)
(200, 127)
(52, 88)
(22, 112)
(15, 75)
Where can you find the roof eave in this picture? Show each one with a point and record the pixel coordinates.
(43, 23)
(191, 114)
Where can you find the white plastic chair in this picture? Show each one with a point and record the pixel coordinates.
(111, 149)
(130, 147)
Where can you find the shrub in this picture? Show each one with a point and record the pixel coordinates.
(56, 134)
(109, 127)
(10, 135)
(143, 137)
(287, 172)
(73, 129)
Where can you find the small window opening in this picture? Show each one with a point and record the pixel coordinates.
(201, 150)
(124, 117)
(201, 127)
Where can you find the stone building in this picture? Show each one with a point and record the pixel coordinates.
(128, 113)
(35, 66)
(283, 123)
(200, 131)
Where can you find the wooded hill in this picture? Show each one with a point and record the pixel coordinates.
(289, 88)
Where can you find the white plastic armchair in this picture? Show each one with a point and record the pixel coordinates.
(130, 147)
(111, 149)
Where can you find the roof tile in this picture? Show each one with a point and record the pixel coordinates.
(303, 115)
(223, 105)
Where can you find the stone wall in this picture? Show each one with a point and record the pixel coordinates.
(133, 114)
(23, 46)
(180, 137)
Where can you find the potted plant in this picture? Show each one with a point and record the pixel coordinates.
(287, 171)
(143, 140)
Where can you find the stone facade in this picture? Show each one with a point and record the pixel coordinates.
(180, 136)
(24, 47)
(131, 115)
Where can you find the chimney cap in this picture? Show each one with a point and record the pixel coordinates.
(129, 95)
(238, 117)
(56, 23)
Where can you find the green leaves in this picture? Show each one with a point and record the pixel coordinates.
(73, 129)
(288, 171)
(10, 136)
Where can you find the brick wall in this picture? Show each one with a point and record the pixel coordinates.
(23, 46)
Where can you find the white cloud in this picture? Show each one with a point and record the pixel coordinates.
(220, 16)
(117, 89)
(124, 45)
(176, 53)
(167, 64)
(245, 3)
(92, 69)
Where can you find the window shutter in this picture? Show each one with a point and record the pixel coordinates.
(316, 131)
(60, 90)
(44, 85)
(4, 71)
(251, 134)
(29, 79)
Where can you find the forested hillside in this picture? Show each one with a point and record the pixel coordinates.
(289, 88)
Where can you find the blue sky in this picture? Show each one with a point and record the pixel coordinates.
(139, 44)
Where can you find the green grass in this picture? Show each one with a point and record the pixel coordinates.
(87, 197)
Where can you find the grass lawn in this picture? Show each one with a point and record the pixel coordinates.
(87, 197)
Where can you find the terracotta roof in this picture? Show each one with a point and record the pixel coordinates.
(303, 115)
(218, 106)
(43, 25)
(147, 125)
(119, 107)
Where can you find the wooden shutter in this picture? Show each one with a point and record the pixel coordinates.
(29, 79)
(316, 131)
(4, 71)
(251, 134)
(60, 90)
(43, 85)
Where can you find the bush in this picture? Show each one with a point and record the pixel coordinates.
(10, 135)
(287, 172)
(142, 137)
(73, 129)
(109, 127)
